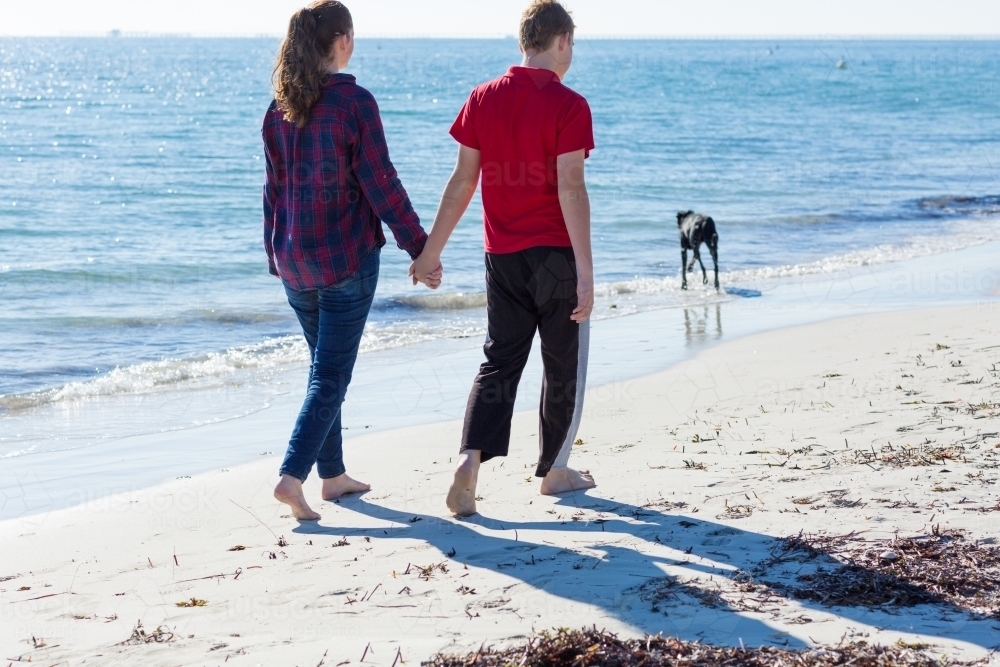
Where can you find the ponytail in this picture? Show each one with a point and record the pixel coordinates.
(305, 55)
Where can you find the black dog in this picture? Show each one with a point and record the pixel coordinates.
(696, 229)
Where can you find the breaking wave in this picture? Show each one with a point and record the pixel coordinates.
(428, 324)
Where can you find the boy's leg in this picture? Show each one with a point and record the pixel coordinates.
(565, 354)
(512, 322)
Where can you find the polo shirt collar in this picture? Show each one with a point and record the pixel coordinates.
(540, 77)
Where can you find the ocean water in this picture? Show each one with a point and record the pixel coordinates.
(131, 259)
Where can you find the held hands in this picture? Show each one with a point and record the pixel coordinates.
(428, 270)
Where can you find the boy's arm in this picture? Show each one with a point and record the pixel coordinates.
(575, 204)
(454, 202)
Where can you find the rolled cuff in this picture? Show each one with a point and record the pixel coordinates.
(416, 248)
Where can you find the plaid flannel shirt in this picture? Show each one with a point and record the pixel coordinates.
(329, 185)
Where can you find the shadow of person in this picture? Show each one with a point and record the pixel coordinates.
(636, 565)
(606, 574)
(739, 554)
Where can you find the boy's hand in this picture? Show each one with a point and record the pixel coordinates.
(585, 300)
(428, 270)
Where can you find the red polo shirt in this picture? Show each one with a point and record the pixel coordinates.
(521, 123)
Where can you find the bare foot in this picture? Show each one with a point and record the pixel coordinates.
(342, 486)
(566, 480)
(462, 495)
(289, 491)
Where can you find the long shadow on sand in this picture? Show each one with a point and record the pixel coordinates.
(608, 569)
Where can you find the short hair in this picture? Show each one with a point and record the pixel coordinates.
(542, 22)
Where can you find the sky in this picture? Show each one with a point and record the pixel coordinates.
(495, 18)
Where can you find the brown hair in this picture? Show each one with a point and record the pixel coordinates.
(305, 55)
(542, 22)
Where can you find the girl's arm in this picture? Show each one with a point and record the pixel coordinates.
(271, 191)
(454, 202)
(380, 183)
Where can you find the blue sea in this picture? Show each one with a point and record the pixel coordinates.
(131, 256)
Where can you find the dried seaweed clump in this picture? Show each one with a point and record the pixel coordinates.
(592, 648)
(941, 568)
(906, 457)
(161, 635)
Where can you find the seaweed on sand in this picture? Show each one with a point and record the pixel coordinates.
(906, 457)
(593, 648)
(943, 567)
(161, 635)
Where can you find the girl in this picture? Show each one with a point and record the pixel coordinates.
(329, 184)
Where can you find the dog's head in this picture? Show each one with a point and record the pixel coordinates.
(682, 215)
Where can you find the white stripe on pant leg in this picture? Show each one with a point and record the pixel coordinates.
(562, 461)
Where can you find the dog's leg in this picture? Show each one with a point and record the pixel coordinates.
(704, 273)
(714, 249)
(684, 268)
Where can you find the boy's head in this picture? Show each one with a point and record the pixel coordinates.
(542, 23)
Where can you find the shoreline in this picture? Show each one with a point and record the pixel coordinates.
(253, 361)
(700, 467)
(428, 383)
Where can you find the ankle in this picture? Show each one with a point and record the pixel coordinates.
(336, 480)
(469, 461)
(288, 482)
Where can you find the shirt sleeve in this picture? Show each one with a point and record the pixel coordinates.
(576, 129)
(271, 191)
(380, 182)
(464, 128)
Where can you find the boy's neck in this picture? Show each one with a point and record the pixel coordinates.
(543, 60)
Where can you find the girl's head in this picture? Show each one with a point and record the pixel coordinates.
(320, 40)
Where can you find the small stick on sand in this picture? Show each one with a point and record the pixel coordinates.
(214, 576)
(256, 517)
(399, 657)
(42, 597)
(369, 597)
(365, 654)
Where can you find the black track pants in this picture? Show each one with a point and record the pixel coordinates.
(532, 290)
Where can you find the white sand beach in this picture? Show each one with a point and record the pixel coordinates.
(880, 425)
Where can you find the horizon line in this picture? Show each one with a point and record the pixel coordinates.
(115, 34)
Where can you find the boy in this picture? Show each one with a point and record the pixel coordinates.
(527, 135)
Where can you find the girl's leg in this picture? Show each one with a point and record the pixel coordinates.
(342, 314)
(289, 489)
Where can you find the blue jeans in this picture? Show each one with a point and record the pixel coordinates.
(333, 320)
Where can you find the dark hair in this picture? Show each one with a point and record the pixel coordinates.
(305, 55)
(542, 22)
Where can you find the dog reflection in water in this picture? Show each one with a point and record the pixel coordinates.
(704, 325)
